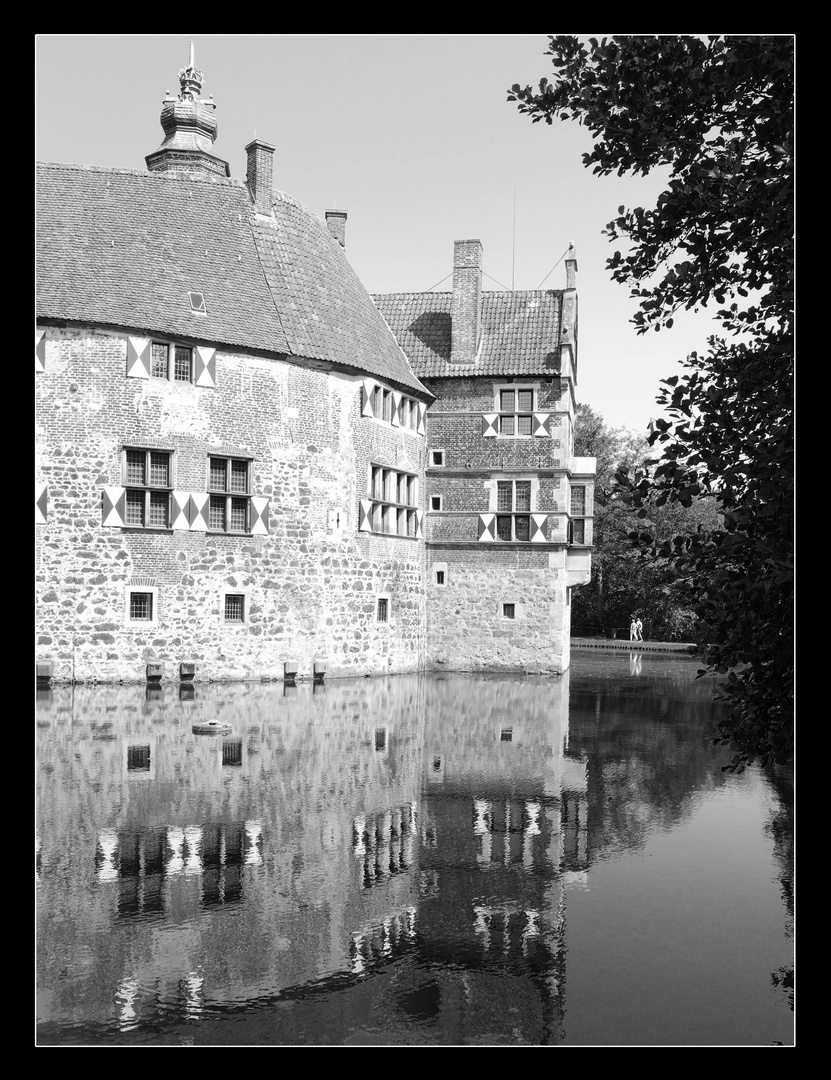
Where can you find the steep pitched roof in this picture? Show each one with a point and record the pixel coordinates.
(520, 332)
(124, 248)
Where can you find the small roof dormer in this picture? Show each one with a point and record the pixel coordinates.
(190, 130)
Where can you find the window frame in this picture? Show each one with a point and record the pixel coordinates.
(147, 489)
(509, 612)
(385, 600)
(229, 494)
(172, 347)
(245, 596)
(385, 487)
(516, 413)
(514, 515)
(141, 624)
(438, 464)
(577, 518)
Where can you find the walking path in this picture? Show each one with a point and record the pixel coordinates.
(623, 645)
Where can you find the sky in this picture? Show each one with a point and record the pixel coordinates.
(411, 135)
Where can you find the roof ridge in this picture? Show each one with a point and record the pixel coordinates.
(144, 174)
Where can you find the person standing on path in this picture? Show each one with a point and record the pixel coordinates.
(639, 628)
(633, 629)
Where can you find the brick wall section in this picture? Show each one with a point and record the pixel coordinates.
(312, 593)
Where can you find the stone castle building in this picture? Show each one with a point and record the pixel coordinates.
(246, 465)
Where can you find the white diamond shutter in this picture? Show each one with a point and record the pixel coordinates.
(487, 527)
(205, 366)
(40, 350)
(259, 515)
(365, 516)
(396, 405)
(422, 427)
(541, 424)
(368, 388)
(538, 527)
(113, 505)
(179, 510)
(41, 503)
(489, 424)
(419, 516)
(198, 504)
(138, 358)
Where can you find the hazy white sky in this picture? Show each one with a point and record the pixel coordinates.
(414, 137)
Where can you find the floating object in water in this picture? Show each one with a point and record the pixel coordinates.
(211, 727)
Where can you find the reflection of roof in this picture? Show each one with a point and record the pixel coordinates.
(520, 332)
(124, 248)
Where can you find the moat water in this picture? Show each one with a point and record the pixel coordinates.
(420, 860)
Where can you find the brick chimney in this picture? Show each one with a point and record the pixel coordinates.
(466, 303)
(336, 224)
(260, 174)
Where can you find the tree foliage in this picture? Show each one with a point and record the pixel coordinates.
(718, 113)
(627, 581)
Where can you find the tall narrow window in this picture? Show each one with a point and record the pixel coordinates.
(577, 524)
(148, 482)
(383, 609)
(513, 510)
(229, 481)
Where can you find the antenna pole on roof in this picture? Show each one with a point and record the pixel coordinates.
(190, 63)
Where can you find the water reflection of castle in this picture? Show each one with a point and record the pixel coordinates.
(325, 840)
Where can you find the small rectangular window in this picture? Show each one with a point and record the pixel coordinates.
(141, 607)
(234, 607)
(440, 577)
(508, 611)
(435, 502)
(506, 734)
(437, 457)
(138, 759)
(383, 609)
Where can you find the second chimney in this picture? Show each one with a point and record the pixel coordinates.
(260, 174)
(336, 224)
(466, 302)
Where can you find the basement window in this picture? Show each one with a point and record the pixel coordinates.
(234, 608)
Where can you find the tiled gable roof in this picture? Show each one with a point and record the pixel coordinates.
(520, 332)
(123, 248)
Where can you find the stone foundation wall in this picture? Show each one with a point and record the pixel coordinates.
(466, 621)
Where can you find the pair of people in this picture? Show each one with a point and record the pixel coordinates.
(636, 629)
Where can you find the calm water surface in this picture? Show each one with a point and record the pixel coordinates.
(420, 860)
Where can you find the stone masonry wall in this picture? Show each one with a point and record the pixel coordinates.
(311, 583)
(467, 628)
